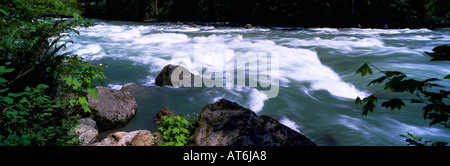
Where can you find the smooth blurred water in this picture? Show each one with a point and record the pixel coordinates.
(318, 84)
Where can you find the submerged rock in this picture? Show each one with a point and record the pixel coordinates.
(113, 108)
(227, 123)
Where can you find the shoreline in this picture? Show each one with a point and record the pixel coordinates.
(278, 26)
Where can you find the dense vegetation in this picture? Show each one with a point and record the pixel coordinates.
(176, 130)
(42, 88)
(40, 85)
(306, 13)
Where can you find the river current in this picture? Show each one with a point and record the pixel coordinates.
(317, 80)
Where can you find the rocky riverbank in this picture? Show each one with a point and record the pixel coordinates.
(223, 123)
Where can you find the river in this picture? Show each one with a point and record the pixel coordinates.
(317, 81)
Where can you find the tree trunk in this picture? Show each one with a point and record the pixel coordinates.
(156, 8)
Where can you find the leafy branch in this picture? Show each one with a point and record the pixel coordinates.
(432, 95)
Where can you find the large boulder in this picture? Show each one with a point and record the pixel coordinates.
(113, 108)
(164, 77)
(226, 123)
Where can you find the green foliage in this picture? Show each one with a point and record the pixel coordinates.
(175, 130)
(418, 141)
(433, 96)
(39, 83)
(305, 13)
(364, 69)
(28, 117)
(439, 6)
(79, 78)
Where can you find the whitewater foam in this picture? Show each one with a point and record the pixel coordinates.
(257, 100)
(299, 64)
(289, 123)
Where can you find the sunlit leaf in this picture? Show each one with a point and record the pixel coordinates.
(93, 91)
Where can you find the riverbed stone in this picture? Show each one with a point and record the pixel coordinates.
(87, 131)
(113, 108)
(227, 123)
(164, 77)
(132, 138)
(163, 112)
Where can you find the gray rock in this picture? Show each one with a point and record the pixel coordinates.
(133, 138)
(113, 108)
(248, 26)
(87, 131)
(226, 123)
(164, 77)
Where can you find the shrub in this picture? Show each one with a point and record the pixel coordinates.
(175, 130)
(39, 83)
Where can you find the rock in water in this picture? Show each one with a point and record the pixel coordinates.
(226, 123)
(113, 108)
(163, 112)
(248, 26)
(164, 77)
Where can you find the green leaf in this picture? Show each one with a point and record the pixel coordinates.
(176, 130)
(86, 108)
(42, 86)
(378, 80)
(68, 80)
(412, 136)
(186, 131)
(4, 90)
(364, 69)
(4, 12)
(393, 103)
(358, 101)
(15, 94)
(76, 83)
(82, 100)
(75, 15)
(393, 73)
(415, 101)
(447, 77)
(8, 100)
(371, 98)
(93, 91)
(368, 107)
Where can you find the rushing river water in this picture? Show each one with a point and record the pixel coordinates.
(317, 81)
